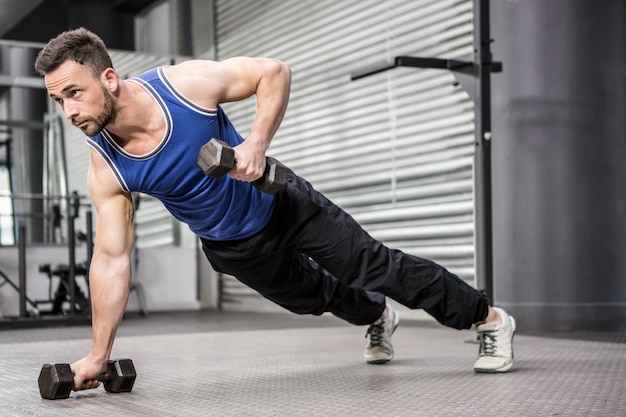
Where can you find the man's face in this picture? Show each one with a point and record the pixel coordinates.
(85, 100)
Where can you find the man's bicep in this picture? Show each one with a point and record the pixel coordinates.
(114, 210)
(114, 231)
(209, 83)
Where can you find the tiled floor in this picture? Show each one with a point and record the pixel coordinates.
(242, 364)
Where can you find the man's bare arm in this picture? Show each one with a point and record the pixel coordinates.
(209, 83)
(110, 272)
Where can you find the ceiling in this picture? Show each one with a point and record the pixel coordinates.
(13, 11)
(38, 20)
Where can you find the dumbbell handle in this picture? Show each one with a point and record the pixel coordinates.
(103, 377)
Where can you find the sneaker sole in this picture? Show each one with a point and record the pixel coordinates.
(494, 371)
(379, 361)
(396, 322)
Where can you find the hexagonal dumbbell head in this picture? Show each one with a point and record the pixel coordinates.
(55, 381)
(120, 376)
(274, 178)
(216, 158)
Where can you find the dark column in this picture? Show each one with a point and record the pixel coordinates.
(115, 27)
(27, 107)
(559, 162)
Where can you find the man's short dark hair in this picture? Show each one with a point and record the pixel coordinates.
(79, 45)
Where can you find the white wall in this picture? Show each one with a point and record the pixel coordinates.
(168, 278)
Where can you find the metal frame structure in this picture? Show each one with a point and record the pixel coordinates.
(475, 77)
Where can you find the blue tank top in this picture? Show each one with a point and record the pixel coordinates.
(214, 209)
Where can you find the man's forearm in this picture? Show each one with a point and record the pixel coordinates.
(109, 296)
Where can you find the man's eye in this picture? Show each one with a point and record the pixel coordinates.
(75, 93)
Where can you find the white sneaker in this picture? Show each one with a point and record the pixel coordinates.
(379, 349)
(495, 353)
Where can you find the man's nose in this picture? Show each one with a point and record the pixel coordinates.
(70, 110)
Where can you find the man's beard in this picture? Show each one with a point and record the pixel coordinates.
(108, 113)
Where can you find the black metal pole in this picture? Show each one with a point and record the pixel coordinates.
(9, 152)
(484, 232)
(71, 244)
(22, 268)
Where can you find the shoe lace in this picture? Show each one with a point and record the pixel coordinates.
(375, 333)
(488, 342)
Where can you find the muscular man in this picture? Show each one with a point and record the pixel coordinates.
(294, 247)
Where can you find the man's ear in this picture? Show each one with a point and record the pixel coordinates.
(110, 80)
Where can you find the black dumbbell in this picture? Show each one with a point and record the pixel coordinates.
(56, 379)
(216, 158)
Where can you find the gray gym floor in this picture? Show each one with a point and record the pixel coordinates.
(240, 364)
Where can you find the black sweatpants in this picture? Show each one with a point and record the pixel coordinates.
(312, 257)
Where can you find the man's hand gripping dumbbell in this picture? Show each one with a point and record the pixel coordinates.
(216, 158)
(56, 380)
